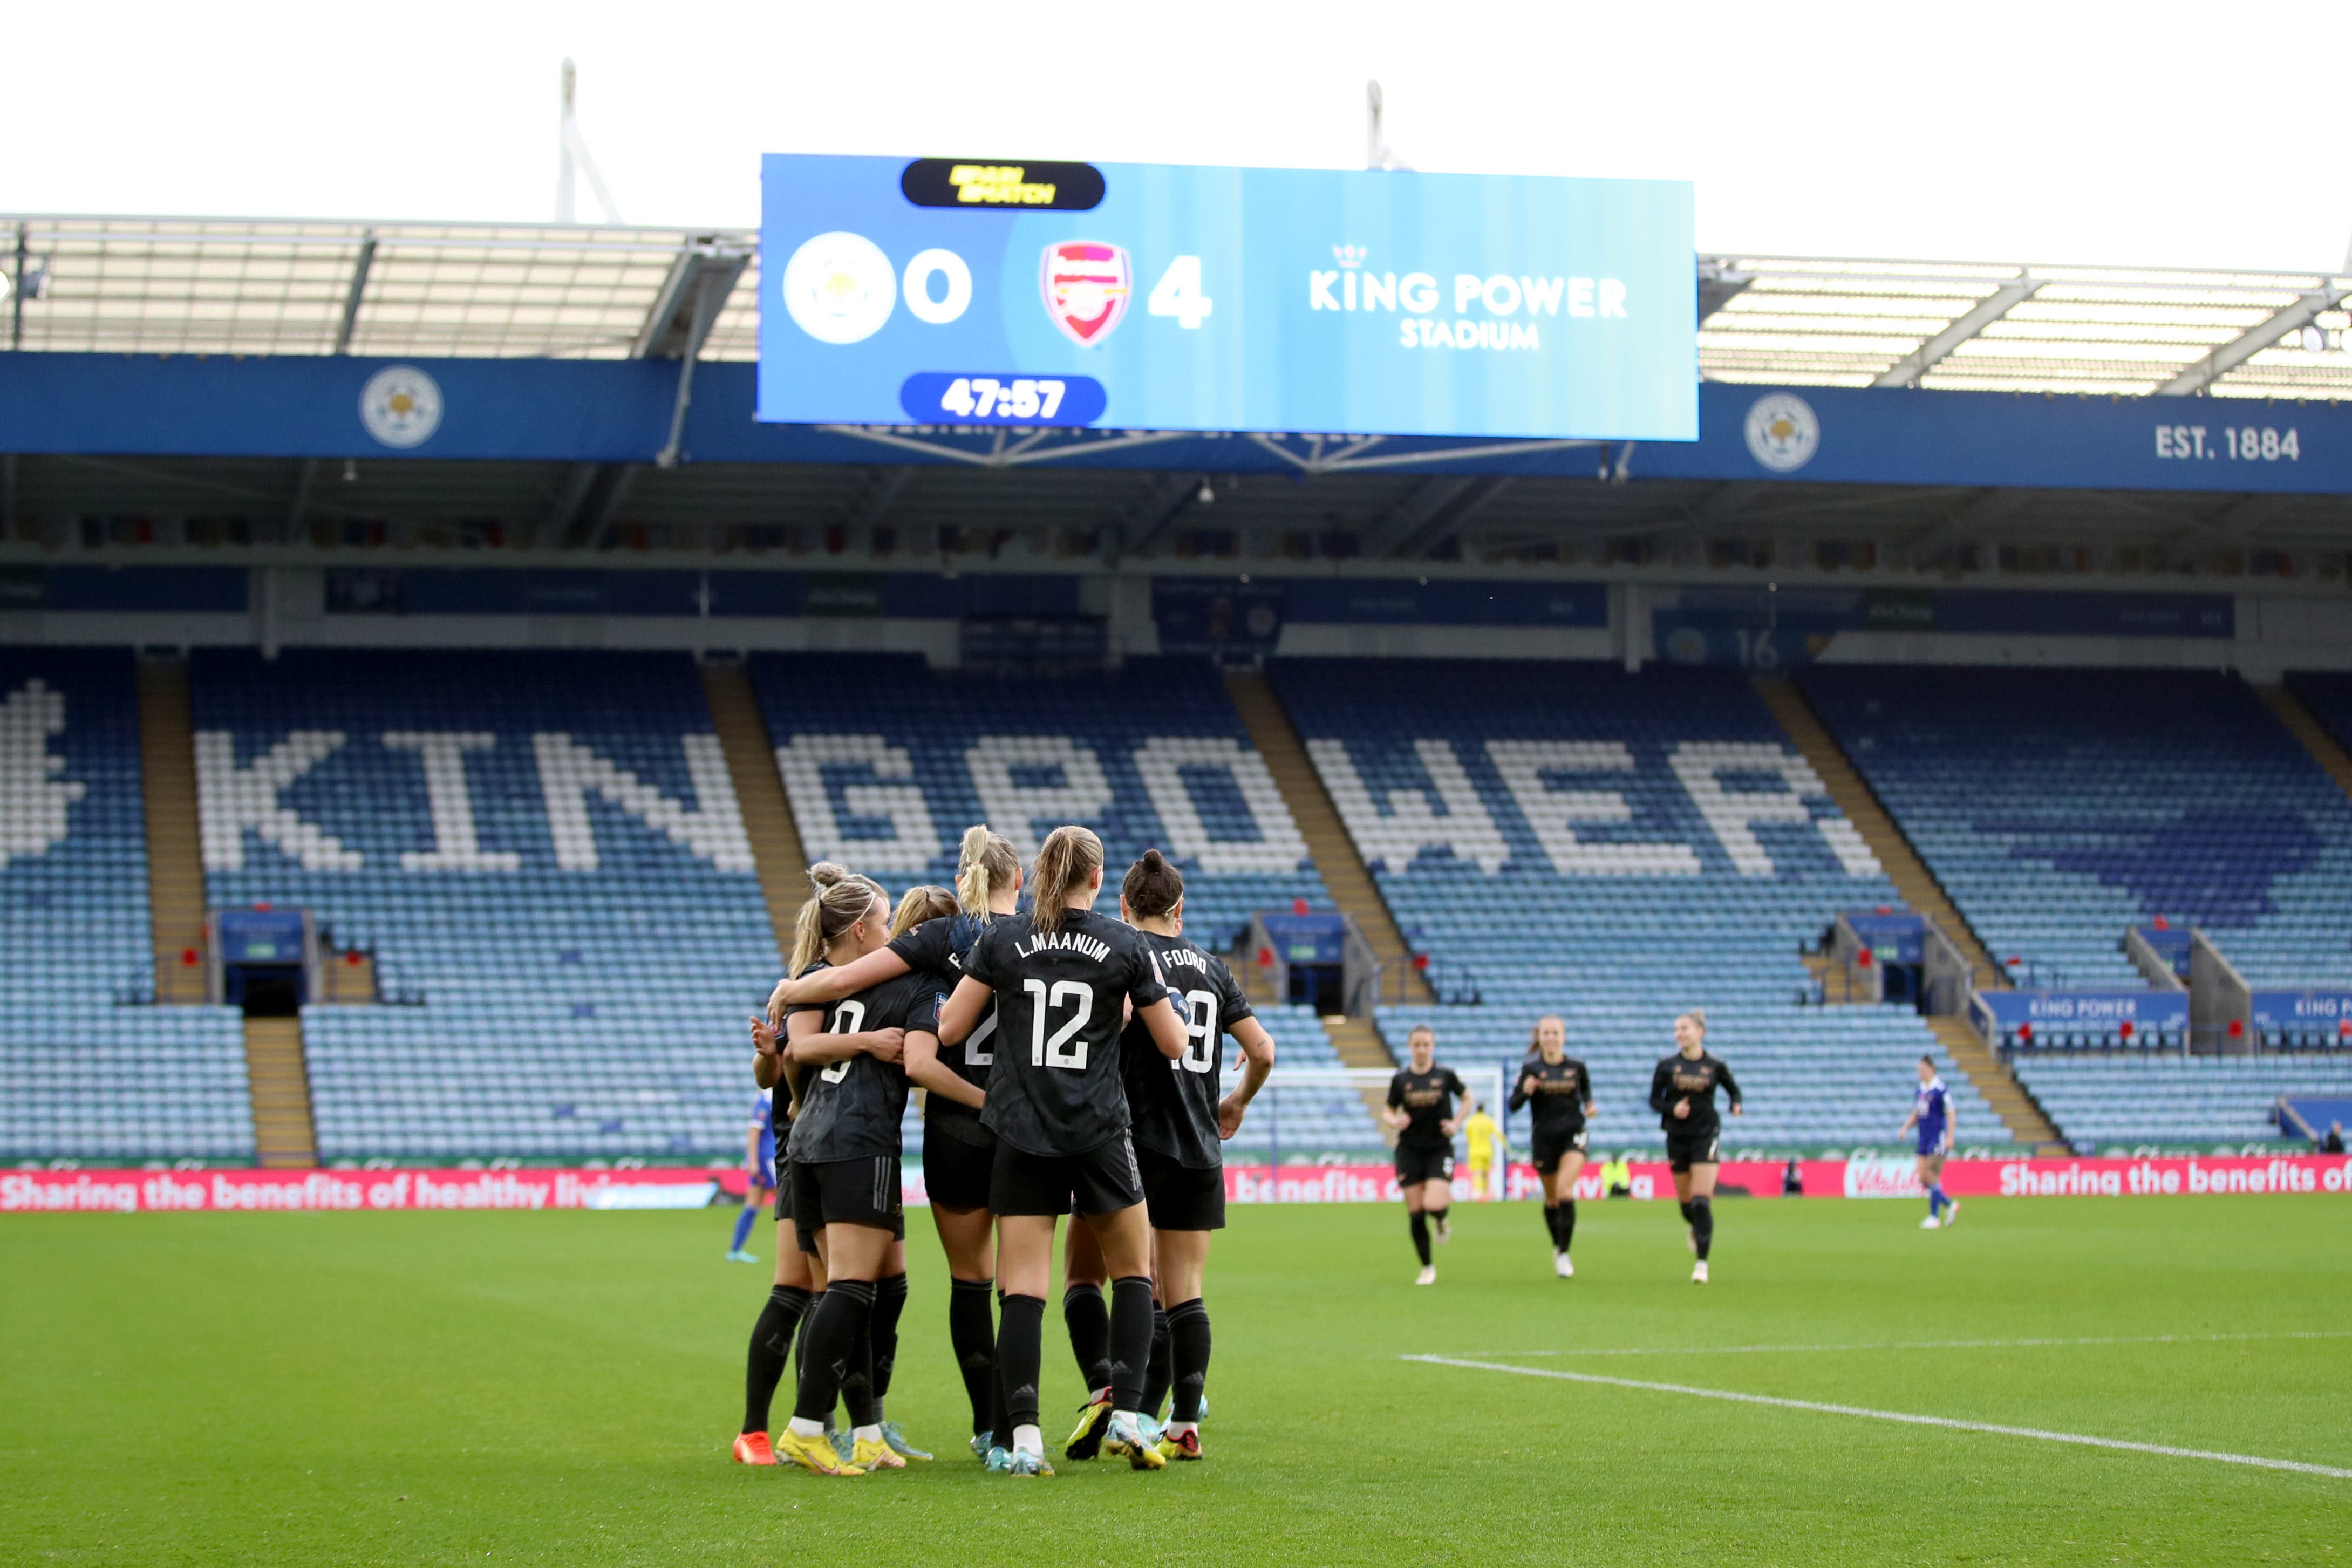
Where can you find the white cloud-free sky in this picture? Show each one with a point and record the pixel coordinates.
(2052, 133)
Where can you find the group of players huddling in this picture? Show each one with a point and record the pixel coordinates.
(1071, 1064)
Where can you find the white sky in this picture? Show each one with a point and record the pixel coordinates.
(2050, 132)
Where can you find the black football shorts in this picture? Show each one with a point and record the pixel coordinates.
(1179, 1196)
(1550, 1151)
(1684, 1149)
(1103, 1180)
(864, 1191)
(1419, 1163)
(956, 1172)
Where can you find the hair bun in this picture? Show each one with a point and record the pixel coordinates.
(1154, 859)
(825, 874)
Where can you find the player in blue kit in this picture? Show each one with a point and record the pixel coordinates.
(1931, 1114)
(759, 1164)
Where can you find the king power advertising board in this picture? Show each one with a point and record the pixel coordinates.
(1131, 296)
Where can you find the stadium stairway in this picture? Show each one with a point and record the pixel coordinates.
(2290, 712)
(175, 866)
(1357, 1040)
(1344, 872)
(750, 756)
(1920, 890)
(282, 1128)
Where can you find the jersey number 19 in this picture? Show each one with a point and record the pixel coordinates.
(1057, 1051)
(1200, 1032)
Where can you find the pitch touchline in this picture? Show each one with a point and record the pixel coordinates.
(1904, 1417)
(1940, 1345)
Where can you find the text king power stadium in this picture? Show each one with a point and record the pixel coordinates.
(1135, 296)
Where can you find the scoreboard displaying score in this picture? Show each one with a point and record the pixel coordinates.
(1155, 297)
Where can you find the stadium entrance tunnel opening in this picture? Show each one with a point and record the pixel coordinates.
(265, 960)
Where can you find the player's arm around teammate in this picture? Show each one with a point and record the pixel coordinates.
(1681, 1091)
(1060, 978)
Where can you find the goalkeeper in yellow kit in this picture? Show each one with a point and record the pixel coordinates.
(1484, 1135)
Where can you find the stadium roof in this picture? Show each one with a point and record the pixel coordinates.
(239, 286)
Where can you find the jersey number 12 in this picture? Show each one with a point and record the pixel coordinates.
(1057, 1051)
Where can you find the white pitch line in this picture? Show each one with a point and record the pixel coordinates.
(1904, 1417)
(1937, 1344)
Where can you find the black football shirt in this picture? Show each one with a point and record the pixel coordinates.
(1174, 1103)
(1427, 1098)
(939, 949)
(1056, 1088)
(851, 1108)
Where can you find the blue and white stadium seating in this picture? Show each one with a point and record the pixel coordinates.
(2103, 1099)
(2327, 694)
(544, 854)
(2059, 806)
(1614, 847)
(86, 1071)
(887, 762)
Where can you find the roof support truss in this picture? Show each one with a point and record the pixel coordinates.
(1907, 371)
(2253, 341)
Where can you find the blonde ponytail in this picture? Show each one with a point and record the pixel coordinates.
(1068, 859)
(841, 898)
(919, 903)
(988, 861)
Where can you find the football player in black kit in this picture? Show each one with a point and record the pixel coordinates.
(845, 1151)
(1427, 1103)
(1062, 978)
(1681, 1091)
(1559, 1089)
(959, 1152)
(1181, 1117)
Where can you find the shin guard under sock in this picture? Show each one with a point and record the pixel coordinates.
(1159, 1373)
(1020, 1343)
(833, 1364)
(1702, 1225)
(1187, 1352)
(1088, 1321)
(1551, 1224)
(889, 1301)
(1567, 1231)
(772, 1352)
(1421, 1236)
(972, 1335)
(1130, 1339)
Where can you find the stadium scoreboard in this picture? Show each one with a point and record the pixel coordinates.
(1127, 295)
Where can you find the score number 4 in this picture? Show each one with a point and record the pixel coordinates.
(1177, 294)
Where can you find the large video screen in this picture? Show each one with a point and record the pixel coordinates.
(1153, 296)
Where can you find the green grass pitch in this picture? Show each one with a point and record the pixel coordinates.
(492, 1388)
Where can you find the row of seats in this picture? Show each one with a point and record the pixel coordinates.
(86, 1071)
(1614, 848)
(2100, 1098)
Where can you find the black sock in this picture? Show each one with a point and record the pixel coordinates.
(972, 1334)
(1702, 1225)
(1157, 1373)
(1000, 1419)
(800, 1346)
(1020, 1343)
(889, 1300)
(1567, 1231)
(1088, 1321)
(1188, 1341)
(1690, 1217)
(1437, 1217)
(857, 1400)
(1551, 1224)
(829, 1347)
(1420, 1236)
(772, 1352)
(1130, 1339)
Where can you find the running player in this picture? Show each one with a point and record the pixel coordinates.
(1062, 977)
(845, 1153)
(1181, 1117)
(1681, 1091)
(759, 1172)
(958, 1151)
(1559, 1089)
(1427, 1103)
(1931, 1113)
